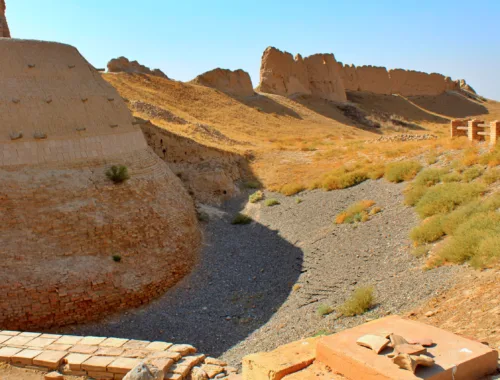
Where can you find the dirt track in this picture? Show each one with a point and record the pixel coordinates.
(240, 298)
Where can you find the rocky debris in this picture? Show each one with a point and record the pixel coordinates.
(145, 372)
(236, 82)
(410, 362)
(4, 27)
(53, 376)
(319, 75)
(405, 137)
(155, 112)
(410, 349)
(123, 65)
(198, 374)
(374, 342)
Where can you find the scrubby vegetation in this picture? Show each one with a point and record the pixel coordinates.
(292, 189)
(241, 219)
(358, 212)
(402, 171)
(455, 202)
(118, 173)
(323, 310)
(255, 197)
(361, 301)
(117, 258)
(271, 202)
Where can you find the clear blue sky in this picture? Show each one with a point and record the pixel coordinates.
(184, 38)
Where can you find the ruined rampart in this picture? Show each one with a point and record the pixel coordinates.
(236, 82)
(4, 27)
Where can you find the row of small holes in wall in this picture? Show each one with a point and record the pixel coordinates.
(42, 135)
(49, 100)
(32, 66)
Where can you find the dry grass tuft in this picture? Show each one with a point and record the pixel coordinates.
(361, 301)
(402, 171)
(292, 189)
(357, 212)
(256, 197)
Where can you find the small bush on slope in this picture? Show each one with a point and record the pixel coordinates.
(360, 302)
(402, 171)
(472, 173)
(255, 197)
(477, 241)
(324, 310)
(357, 212)
(271, 202)
(428, 231)
(292, 189)
(117, 173)
(444, 198)
(491, 176)
(241, 219)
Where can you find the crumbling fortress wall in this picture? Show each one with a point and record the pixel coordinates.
(124, 65)
(63, 223)
(321, 75)
(4, 27)
(236, 82)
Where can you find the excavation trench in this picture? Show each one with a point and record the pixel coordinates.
(258, 286)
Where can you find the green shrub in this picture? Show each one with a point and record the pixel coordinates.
(117, 173)
(430, 177)
(321, 333)
(446, 197)
(452, 177)
(428, 231)
(241, 219)
(375, 210)
(476, 240)
(292, 189)
(341, 180)
(271, 202)
(491, 176)
(255, 197)
(472, 173)
(323, 310)
(413, 193)
(360, 302)
(117, 258)
(202, 216)
(402, 171)
(376, 171)
(298, 200)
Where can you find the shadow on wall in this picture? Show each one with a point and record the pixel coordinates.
(393, 105)
(209, 174)
(450, 104)
(236, 288)
(342, 113)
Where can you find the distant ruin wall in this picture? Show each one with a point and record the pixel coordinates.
(321, 75)
(123, 65)
(4, 27)
(61, 219)
(236, 82)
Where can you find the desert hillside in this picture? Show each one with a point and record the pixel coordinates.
(297, 139)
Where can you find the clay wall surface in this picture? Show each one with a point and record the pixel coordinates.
(123, 65)
(236, 82)
(61, 218)
(282, 74)
(4, 27)
(209, 174)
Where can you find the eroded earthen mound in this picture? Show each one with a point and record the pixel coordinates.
(123, 65)
(236, 82)
(319, 74)
(4, 27)
(75, 245)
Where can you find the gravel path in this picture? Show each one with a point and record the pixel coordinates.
(241, 297)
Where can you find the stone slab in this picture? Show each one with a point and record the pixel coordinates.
(30, 334)
(82, 349)
(283, 361)
(40, 342)
(97, 363)
(25, 357)
(75, 361)
(315, 371)
(50, 359)
(158, 346)
(466, 359)
(9, 332)
(69, 339)
(7, 352)
(92, 340)
(3, 338)
(113, 342)
(19, 340)
(123, 365)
